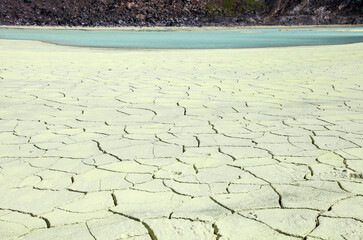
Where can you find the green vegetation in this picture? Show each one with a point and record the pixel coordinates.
(233, 7)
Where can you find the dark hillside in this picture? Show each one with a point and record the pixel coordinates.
(179, 12)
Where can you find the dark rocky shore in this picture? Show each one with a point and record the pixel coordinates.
(179, 12)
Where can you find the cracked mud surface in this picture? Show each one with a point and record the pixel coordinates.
(197, 144)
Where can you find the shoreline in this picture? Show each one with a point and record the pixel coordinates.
(186, 28)
(172, 49)
(246, 30)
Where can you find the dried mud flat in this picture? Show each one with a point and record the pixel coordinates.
(180, 144)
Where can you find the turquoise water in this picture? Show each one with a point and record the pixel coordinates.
(245, 38)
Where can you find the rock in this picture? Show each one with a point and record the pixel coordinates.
(140, 17)
(129, 5)
(179, 12)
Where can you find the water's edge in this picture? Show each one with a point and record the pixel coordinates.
(206, 39)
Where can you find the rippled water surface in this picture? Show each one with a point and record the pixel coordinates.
(244, 38)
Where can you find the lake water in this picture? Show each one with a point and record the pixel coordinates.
(243, 38)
